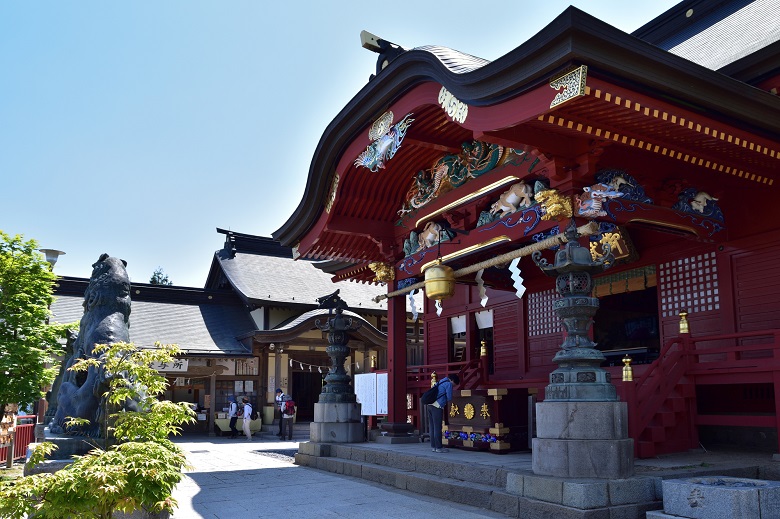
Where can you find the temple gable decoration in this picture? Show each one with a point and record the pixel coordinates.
(387, 141)
(453, 170)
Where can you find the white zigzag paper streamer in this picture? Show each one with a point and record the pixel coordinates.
(413, 305)
(438, 308)
(483, 298)
(515, 270)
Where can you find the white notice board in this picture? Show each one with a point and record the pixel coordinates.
(371, 392)
(381, 393)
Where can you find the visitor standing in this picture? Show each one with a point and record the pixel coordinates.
(233, 415)
(247, 418)
(280, 398)
(288, 417)
(436, 411)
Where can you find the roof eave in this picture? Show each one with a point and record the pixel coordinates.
(573, 37)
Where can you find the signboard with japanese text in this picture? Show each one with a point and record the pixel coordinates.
(176, 366)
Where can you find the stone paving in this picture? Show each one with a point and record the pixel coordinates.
(237, 479)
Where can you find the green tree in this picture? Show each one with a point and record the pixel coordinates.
(160, 278)
(28, 345)
(138, 473)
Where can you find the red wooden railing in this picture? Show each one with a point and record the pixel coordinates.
(24, 436)
(757, 351)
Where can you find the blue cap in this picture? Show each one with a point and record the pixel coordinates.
(278, 390)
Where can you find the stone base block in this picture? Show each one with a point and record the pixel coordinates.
(612, 459)
(397, 439)
(337, 412)
(334, 432)
(718, 497)
(582, 420)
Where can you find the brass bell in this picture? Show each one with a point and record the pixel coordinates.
(439, 281)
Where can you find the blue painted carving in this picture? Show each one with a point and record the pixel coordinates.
(593, 200)
(690, 200)
(410, 261)
(621, 181)
(385, 147)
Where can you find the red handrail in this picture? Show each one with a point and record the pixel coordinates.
(24, 435)
(681, 356)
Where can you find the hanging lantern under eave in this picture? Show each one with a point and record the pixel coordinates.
(439, 281)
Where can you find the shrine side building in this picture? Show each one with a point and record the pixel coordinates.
(668, 139)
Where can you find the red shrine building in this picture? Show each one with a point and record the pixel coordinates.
(667, 139)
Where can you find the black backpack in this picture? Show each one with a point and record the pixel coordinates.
(429, 396)
(253, 413)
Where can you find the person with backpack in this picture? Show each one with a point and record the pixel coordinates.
(288, 417)
(233, 415)
(436, 410)
(247, 418)
(280, 399)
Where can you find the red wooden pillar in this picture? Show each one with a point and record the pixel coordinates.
(396, 424)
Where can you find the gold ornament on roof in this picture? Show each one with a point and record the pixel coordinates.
(555, 206)
(383, 272)
(570, 84)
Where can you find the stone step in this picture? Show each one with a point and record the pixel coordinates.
(493, 488)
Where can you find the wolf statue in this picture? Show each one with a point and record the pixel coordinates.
(105, 321)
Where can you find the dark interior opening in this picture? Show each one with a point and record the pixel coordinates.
(627, 324)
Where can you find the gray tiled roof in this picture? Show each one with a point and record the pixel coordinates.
(722, 37)
(284, 280)
(458, 62)
(206, 329)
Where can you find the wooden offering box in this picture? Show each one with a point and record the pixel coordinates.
(482, 419)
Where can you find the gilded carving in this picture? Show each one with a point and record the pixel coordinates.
(555, 206)
(332, 193)
(383, 272)
(572, 83)
(484, 412)
(468, 411)
(454, 410)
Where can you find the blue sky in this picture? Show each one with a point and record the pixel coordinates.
(138, 128)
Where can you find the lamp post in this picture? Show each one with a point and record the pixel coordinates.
(51, 255)
(579, 376)
(41, 406)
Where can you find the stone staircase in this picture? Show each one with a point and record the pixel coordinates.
(300, 431)
(514, 493)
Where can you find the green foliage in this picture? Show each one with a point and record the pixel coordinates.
(140, 472)
(28, 345)
(160, 278)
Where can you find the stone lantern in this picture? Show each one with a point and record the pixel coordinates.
(581, 427)
(579, 377)
(337, 416)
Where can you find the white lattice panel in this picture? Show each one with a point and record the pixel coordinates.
(542, 320)
(689, 284)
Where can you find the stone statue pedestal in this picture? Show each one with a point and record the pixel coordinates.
(69, 446)
(583, 440)
(336, 422)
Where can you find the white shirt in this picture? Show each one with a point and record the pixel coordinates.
(233, 410)
(247, 411)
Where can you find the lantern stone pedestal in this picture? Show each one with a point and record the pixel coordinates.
(582, 430)
(337, 413)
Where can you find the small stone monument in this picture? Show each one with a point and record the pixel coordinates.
(337, 413)
(582, 430)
